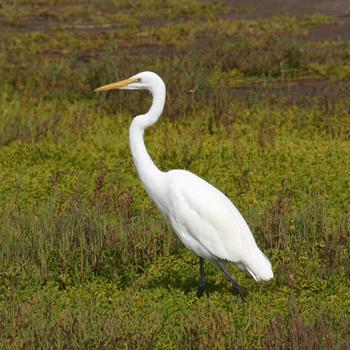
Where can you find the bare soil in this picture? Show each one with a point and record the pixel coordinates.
(300, 92)
(270, 8)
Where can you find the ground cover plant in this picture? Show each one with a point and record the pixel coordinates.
(259, 107)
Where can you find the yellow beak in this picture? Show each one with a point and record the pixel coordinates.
(117, 85)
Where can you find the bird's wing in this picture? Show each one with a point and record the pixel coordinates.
(209, 217)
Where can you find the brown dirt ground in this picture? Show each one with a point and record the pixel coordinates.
(270, 8)
(300, 92)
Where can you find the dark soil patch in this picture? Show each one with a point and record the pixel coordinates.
(266, 9)
(300, 92)
(156, 50)
(340, 30)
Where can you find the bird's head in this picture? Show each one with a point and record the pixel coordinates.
(140, 81)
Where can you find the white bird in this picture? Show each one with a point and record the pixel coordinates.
(203, 218)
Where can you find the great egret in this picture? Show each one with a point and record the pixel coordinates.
(203, 218)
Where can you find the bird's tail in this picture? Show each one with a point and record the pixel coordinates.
(259, 266)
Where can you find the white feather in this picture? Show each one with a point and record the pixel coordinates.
(209, 224)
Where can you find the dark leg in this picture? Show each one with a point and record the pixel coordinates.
(235, 285)
(201, 286)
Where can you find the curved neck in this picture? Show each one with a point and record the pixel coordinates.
(146, 169)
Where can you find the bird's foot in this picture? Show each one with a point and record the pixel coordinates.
(200, 290)
(240, 292)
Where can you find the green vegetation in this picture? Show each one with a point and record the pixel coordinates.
(86, 260)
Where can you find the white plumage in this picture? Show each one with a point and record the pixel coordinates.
(204, 219)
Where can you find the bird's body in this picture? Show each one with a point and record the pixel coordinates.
(209, 224)
(204, 219)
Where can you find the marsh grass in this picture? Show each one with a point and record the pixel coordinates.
(86, 260)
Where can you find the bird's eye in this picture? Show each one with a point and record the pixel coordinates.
(139, 80)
